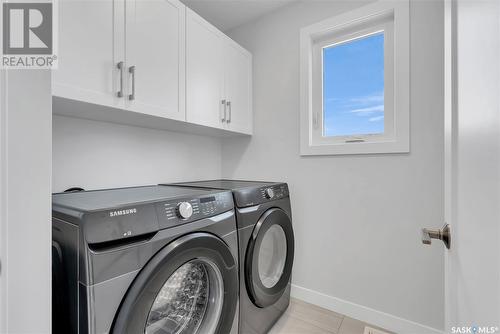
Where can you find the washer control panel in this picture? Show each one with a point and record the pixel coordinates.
(183, 210)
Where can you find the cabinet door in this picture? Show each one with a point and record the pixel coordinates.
(155, 38)
(91, 43)
(238, 87)
(204, 72)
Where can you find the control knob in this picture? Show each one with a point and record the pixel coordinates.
(269, 192)
(184, 210)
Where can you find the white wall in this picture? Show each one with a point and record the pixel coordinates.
(96, 155)
(25, 224)
(357, 218)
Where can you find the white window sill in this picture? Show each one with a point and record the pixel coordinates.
(356, 148)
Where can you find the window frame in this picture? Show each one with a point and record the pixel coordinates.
(393, 19)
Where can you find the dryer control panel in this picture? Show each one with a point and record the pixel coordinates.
(183, 210)
(274, 192)
(253, 196)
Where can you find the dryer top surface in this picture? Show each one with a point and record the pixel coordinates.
(228, 184)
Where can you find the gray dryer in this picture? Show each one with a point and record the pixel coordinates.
(266, 249)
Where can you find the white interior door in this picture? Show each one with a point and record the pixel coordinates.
(472, 165)
(204, 72)
(90, 46)
(155, 38)
(238, 87)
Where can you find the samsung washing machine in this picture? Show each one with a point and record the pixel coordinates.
(154, 260)
(266, 249)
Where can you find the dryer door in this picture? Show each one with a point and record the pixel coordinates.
(189, 287)
(269, 258)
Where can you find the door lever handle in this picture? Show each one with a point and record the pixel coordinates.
(440, 234)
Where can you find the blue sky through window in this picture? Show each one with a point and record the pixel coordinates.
(353, 87)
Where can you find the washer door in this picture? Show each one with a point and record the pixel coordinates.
(188, 287)
(269, 258)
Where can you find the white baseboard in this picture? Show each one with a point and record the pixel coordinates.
(359, 312)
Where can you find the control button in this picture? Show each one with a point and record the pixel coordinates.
(269, 192)
(184, 210)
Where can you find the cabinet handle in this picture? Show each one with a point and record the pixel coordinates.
(224, 105)
(131, 70)
(229, 112)
(119, 66)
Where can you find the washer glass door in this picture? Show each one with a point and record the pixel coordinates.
(190, 286)
(190, 301)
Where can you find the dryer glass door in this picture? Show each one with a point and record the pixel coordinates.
(272, 256)
(269, 258)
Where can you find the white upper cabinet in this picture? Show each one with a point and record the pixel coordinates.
(219, 78)
(204, 72)
(238, 87)
(127, 54)
(91, 44)
(155, 57)
(152, 62)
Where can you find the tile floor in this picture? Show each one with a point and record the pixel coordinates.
(305, 318)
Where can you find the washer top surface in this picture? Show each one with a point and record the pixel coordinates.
(111, 198)
(117, 214)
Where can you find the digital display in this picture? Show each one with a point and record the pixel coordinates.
(207, 199)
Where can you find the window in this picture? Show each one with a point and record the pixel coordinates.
(354, 95)
(353, 87)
